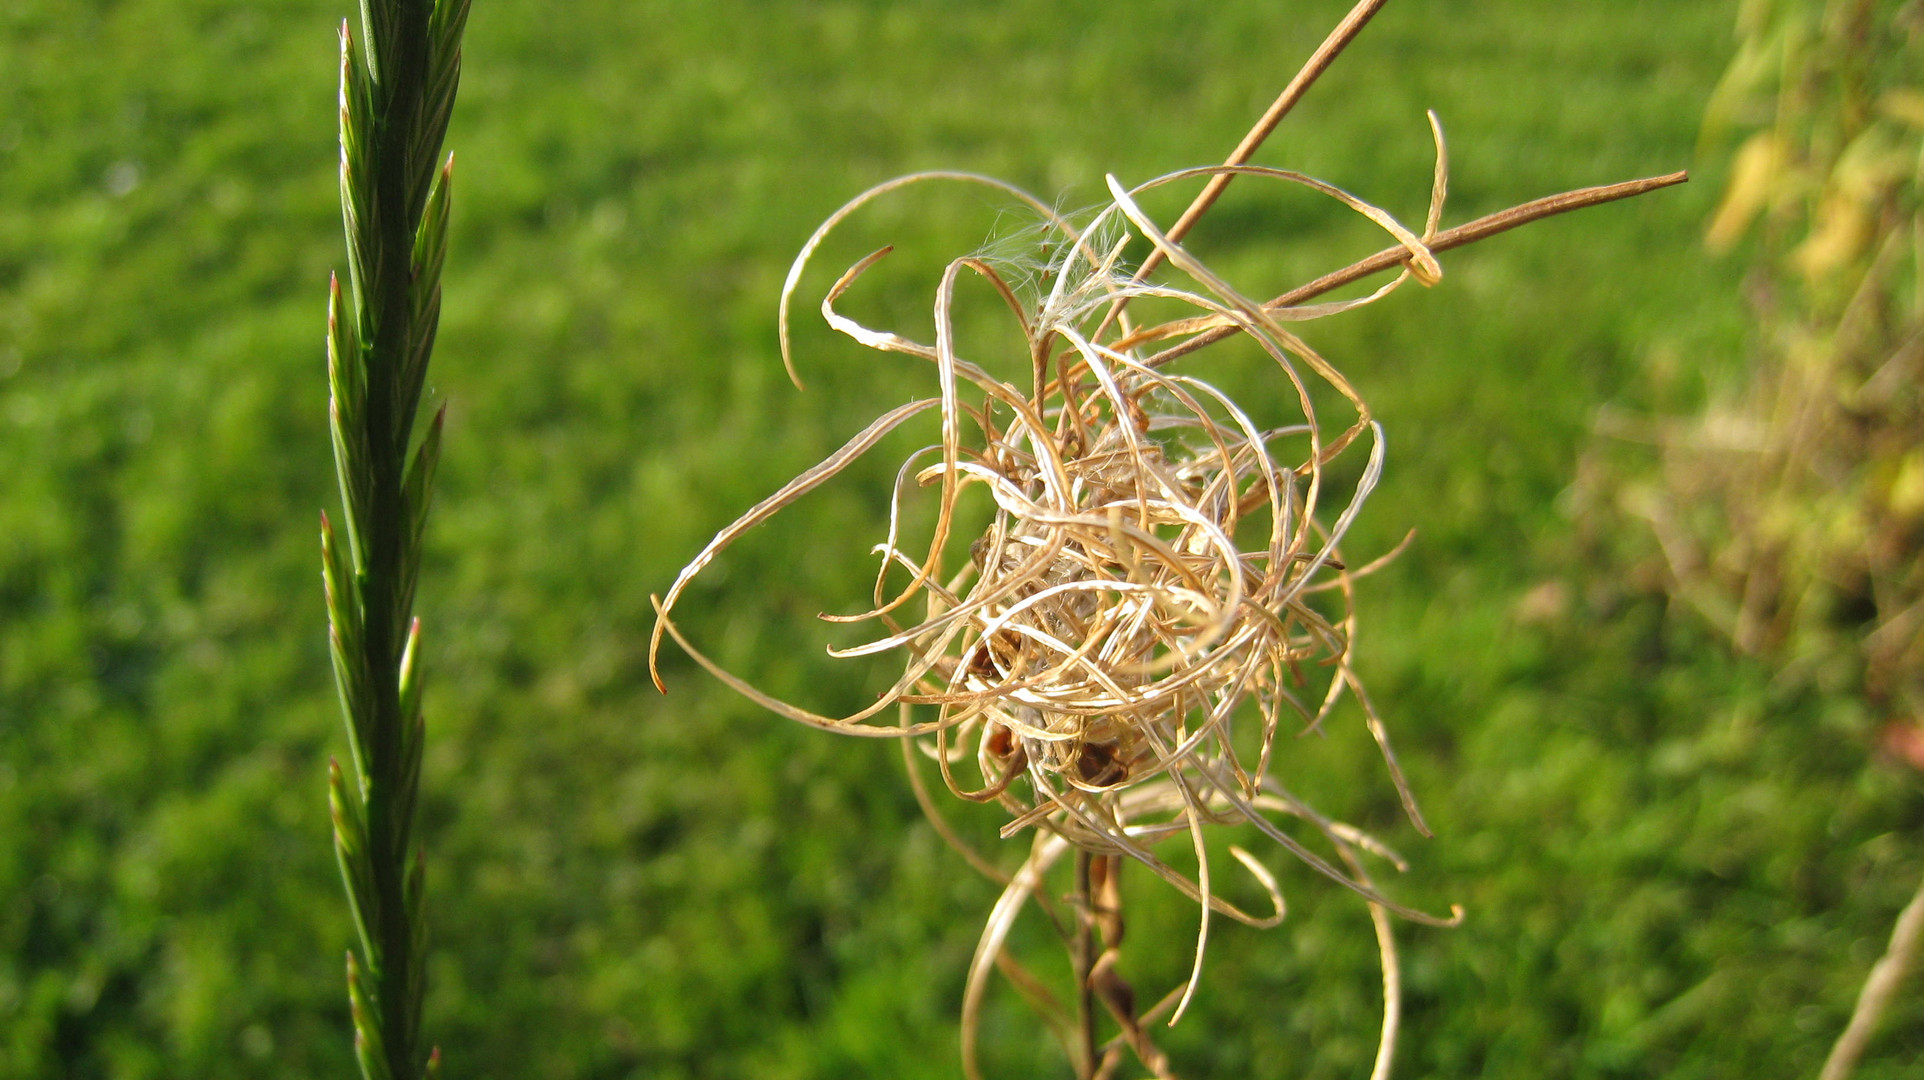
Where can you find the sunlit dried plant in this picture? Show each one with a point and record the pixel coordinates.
(1158, 591)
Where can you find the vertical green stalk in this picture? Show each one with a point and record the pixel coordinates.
(397, 91)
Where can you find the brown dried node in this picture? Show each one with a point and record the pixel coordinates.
(1155, 562)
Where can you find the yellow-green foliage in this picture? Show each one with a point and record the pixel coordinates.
(1793, 514)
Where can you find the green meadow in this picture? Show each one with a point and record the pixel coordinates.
(1673, 862)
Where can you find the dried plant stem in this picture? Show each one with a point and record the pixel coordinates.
(1885, 977)
(1306, 77)
(1392, 975)
(397, 90)
(1469, 233)
(1085, 961)
(1312, 69)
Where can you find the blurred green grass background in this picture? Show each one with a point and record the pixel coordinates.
(1673, 863)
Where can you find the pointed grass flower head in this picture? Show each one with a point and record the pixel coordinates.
(1115, 656)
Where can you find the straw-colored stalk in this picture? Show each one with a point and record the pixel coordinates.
(1159, 592)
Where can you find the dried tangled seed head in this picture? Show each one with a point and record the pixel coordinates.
(1118, 650)
(1155, 563)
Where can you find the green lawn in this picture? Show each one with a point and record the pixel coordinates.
(1673, 863)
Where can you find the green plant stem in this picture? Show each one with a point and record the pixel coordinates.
(396, 95)
(390, 828)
